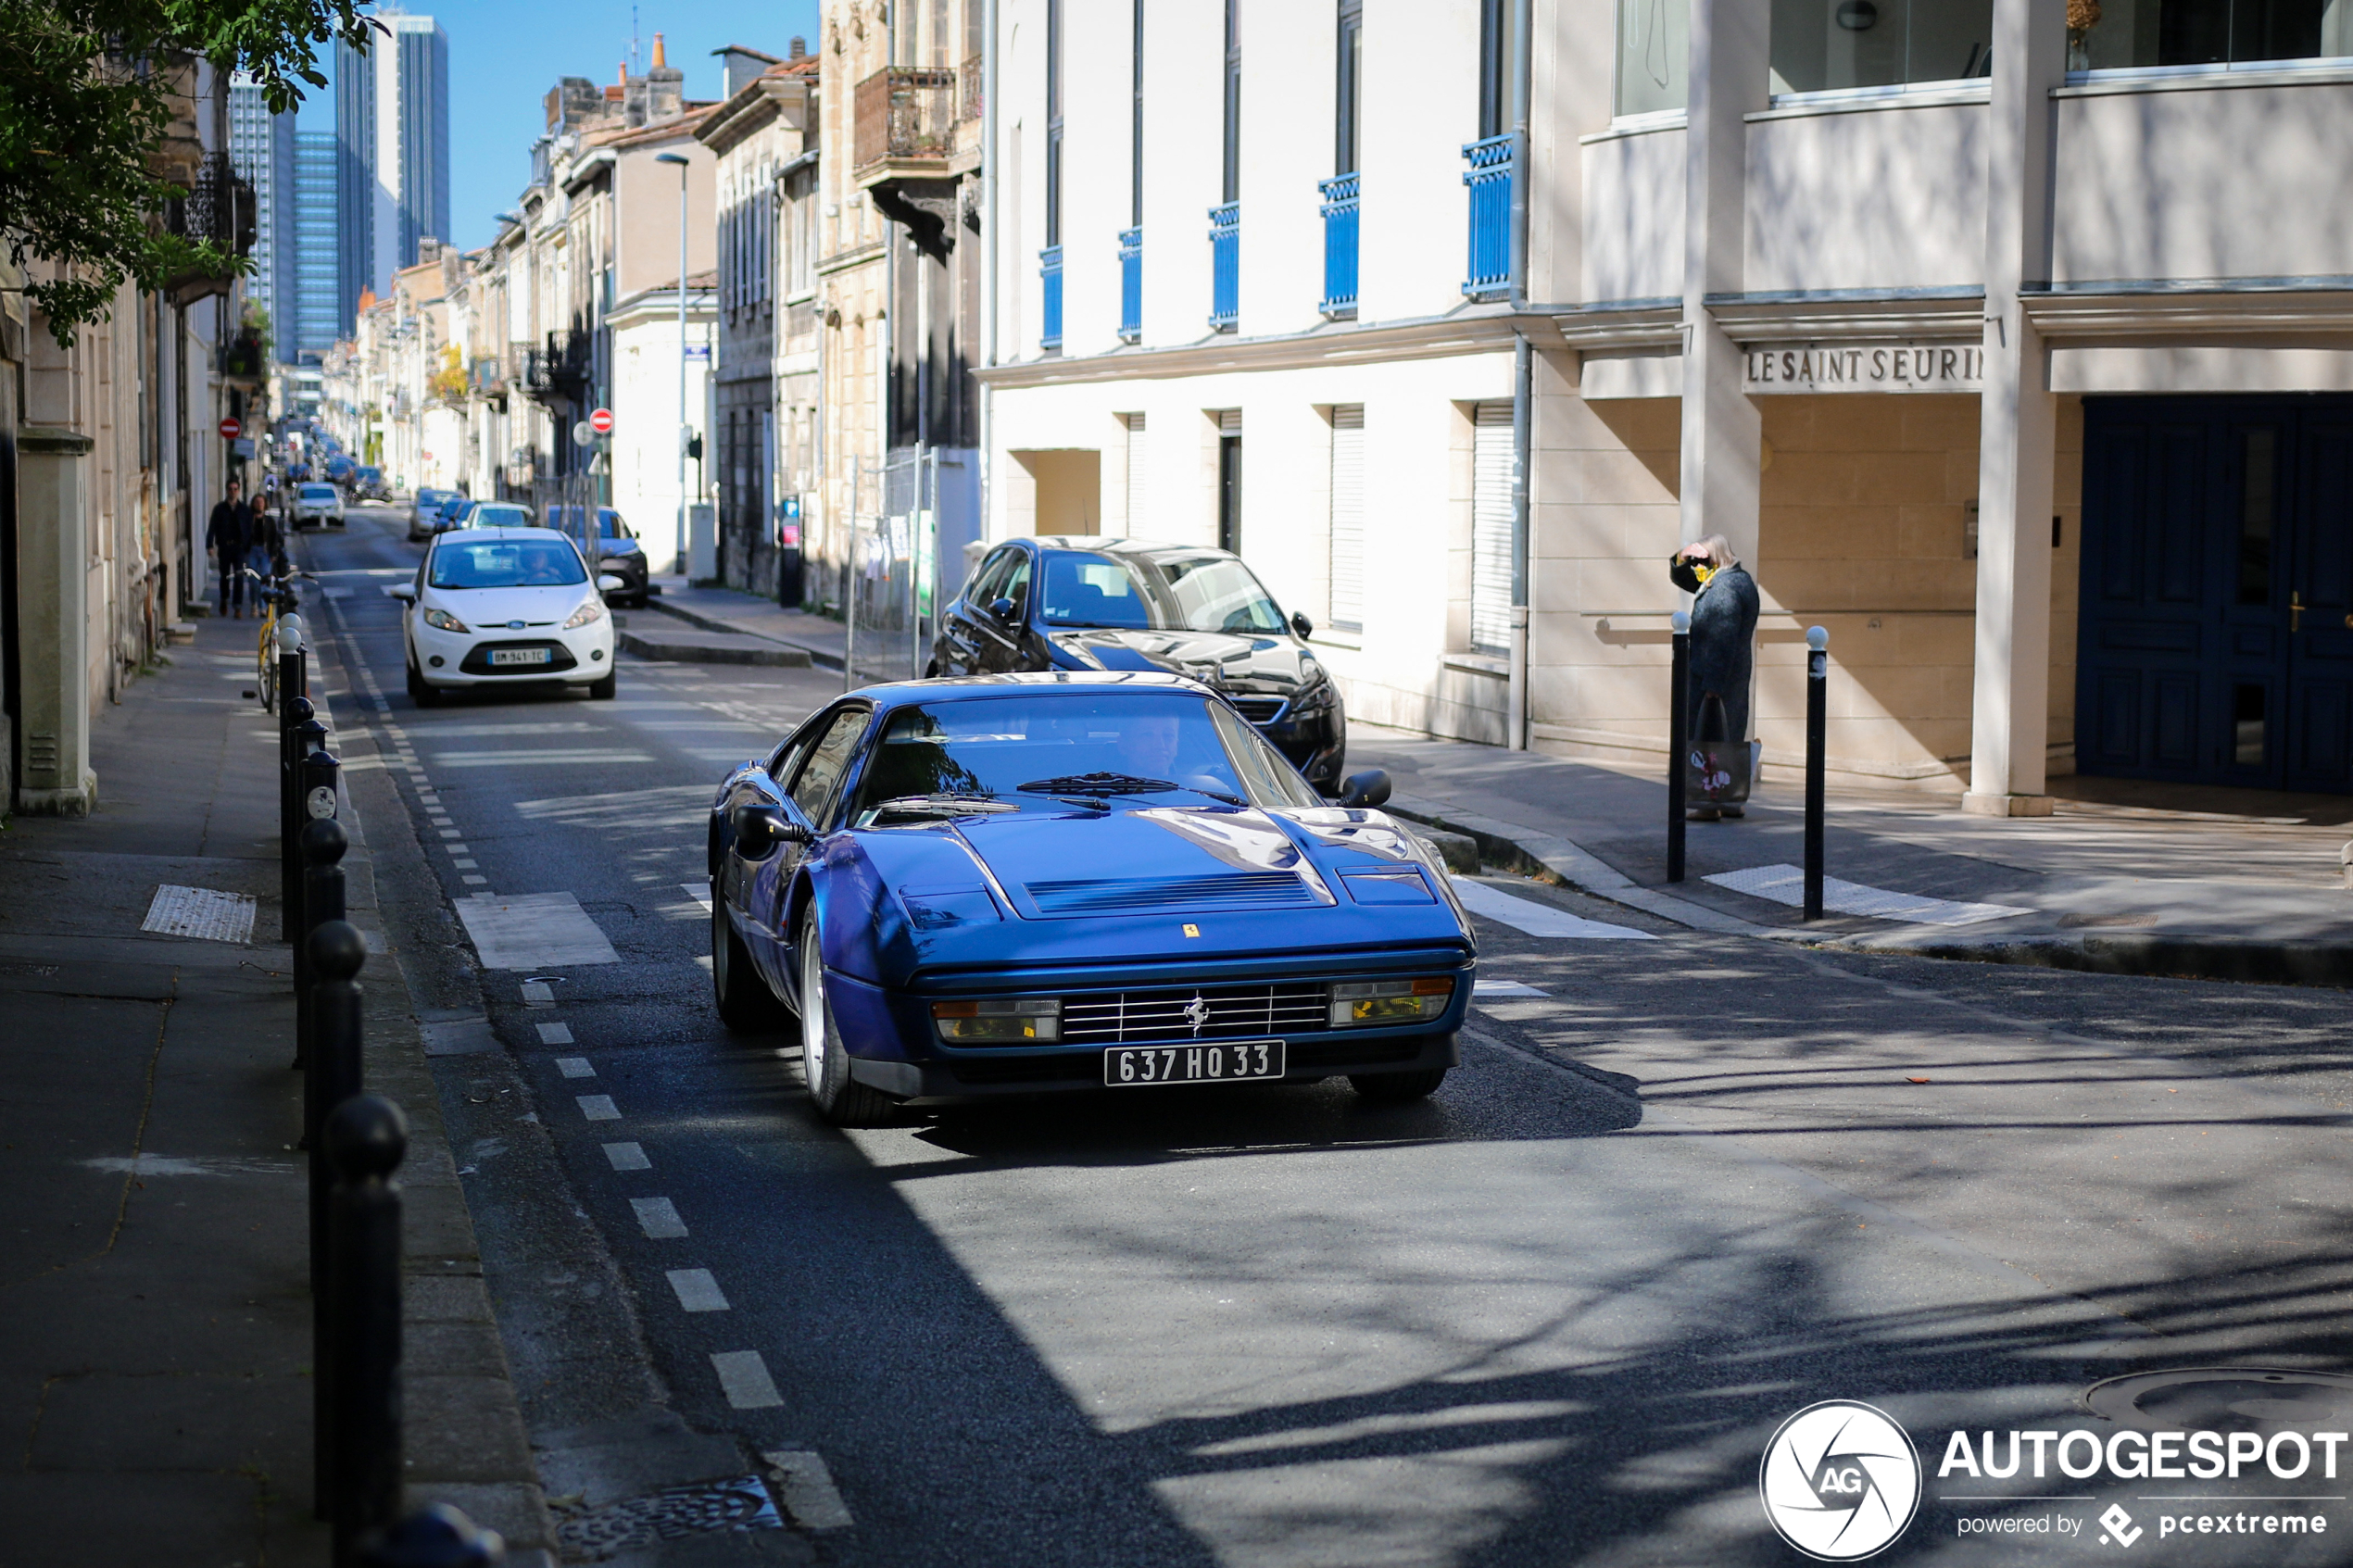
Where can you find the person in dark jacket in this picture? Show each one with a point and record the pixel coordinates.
(229, 535)
(1723, 644)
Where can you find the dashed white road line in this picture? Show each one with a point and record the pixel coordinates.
(556, 1035)
(743, 1377)
(697, 1291)
(1487, 990)
(806, 1488)
(537, 993)
(570, 1066)
(658, 1217)
(627, 1157)
(598, 1108)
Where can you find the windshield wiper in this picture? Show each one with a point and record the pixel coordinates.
(1097, 783)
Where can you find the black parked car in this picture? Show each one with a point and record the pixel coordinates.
(1063, 603)
(614, 550)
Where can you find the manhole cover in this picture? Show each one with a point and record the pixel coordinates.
(705, 1508)
(2229, 1399)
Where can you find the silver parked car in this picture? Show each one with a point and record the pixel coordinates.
(318, 503)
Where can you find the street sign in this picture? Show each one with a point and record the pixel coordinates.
(581, 435)
(231, 430)
(601, 421)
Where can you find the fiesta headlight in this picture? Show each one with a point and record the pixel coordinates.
(591, 610)
(1009, 1021)
(1390, 1001)
(441, 619)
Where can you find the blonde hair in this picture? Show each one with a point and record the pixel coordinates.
(1718, 548)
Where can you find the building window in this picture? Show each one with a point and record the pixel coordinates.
(1229, 478)
(1136, 471)
(1491, 464)
(1348, 518)
(1653, 55)
(2138, 33)
(1226, 218)
(1340, 192)
(1836, 45)
(1131, 239)
(1049, 269)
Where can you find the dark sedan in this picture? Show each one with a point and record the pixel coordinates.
(1063, 603)
(614, 550)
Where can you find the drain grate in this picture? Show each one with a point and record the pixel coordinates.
(2228, 1399)
(704, 1509)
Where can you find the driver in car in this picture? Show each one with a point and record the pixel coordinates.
(1151, 745)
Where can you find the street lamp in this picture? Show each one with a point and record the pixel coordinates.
(682, 163)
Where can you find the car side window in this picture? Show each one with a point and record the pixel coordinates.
(983, 591)
(789, 756)
(820, 777)
(1016, 586)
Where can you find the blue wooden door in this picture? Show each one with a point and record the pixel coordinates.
(2215, 643)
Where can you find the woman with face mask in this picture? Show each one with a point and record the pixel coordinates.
(1723, 645)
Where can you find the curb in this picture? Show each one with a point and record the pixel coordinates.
(465, 1440)
(821, 658)
(2246, 961)
(713, 647)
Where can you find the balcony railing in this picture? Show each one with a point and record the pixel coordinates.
(1049, 274)
(1225, 265)
(905, 115)
(972, 102)
(1131, 285)
(1493, 165)
(1339, 244)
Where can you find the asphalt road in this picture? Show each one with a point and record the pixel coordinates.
(1554, 1315)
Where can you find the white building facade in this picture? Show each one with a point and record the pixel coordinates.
(1455, 321)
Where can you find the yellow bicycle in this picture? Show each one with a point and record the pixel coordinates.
(276, 596)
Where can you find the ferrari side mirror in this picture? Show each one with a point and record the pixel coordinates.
(760, 827)
(1368, 788)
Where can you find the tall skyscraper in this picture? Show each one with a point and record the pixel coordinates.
(261, 147)
(319, 317)
(391, 133)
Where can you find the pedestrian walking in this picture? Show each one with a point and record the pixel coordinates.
(1723, 656)
(229, 535)
(266, 542)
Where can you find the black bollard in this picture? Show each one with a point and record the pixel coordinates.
(322, 843)
(310, 736)
(365, 1136)
(1679, 767)
(434, 1536)
(1817, 681)
(337, 952)
(316, 799)
(292, 716)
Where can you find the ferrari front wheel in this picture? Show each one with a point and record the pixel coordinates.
(744, 1000)
(839, 1098)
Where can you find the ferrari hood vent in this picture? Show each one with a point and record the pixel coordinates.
(1259, 890)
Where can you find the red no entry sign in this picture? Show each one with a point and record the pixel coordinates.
(601, 421)
(231, 430)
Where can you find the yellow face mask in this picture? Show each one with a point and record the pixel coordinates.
(1703, 572)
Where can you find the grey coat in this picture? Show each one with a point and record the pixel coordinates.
(1724, 648)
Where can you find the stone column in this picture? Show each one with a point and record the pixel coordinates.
(52, 504)
(1723, 432)
(2011, 703)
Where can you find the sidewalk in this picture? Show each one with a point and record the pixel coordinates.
(155, 1311)
(2122, 878)
(727, 611)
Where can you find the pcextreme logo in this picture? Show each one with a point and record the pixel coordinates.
(1839, 1481)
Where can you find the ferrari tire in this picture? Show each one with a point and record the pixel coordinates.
(1395, 1088)
(824, 1060)
(745, 1002)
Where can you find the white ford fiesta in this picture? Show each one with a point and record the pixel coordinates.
(503, 605)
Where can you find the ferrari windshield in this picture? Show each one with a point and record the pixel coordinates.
(1177, 592)
(1066, 746)
(506, 563)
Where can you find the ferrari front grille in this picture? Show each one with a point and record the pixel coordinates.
(1208, 1013)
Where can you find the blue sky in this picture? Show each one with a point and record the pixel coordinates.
(504, 55)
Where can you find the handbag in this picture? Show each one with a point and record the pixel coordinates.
(1718, 772)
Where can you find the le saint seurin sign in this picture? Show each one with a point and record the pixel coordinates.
(1864, 366)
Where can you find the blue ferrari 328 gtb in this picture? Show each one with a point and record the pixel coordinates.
(1028, 883)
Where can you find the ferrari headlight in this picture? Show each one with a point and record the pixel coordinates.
(1010, 1021)
(1390, 1001)
(591, 610)
(443, 620)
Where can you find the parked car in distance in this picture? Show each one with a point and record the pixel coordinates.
(613, 547)
(367, 484)
(318, 503)
(339, 469)
(498, 606)
(496, 514)
(424, 511)
(1078, 603)
(1082, 881)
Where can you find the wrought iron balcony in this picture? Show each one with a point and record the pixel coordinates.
(1131, 285)
(1049, 274)
(218, 208)
(1225, 265)
(559, 371)
(905, 123)
(1339, 244)
(1494, 166)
